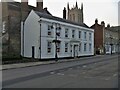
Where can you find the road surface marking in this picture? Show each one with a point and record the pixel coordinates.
(84, 66)
(114, 75)
(52, 72)
(60, 74)
(107, 78)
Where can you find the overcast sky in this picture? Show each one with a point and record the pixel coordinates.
(104, 10)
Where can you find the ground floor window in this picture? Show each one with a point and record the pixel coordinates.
(58, 47)
(90, 46)
(85, 47)
(49, 45)
(66, 47)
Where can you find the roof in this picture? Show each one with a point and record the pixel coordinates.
(48, 16)
(113, 28)
(17, 6)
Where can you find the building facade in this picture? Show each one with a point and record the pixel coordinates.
(12, 15)
(111, 39)
(46, 36)
(75, 14)
(105, 39)
(98, 37)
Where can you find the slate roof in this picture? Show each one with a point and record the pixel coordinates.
(48, 16)
(114, 28)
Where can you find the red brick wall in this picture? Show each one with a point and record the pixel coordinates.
(98, 40)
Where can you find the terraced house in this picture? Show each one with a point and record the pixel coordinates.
(47, 36)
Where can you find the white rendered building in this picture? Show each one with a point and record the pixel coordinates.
(40, 31)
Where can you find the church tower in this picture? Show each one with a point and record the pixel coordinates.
(75, 14)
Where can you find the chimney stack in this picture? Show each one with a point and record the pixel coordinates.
(96, 21)
(103, 23)
(64, 13)
(24, 9)
(39, 5)
(108, 26)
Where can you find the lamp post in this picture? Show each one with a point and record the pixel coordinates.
(40, 37)
(56, 41)
(111, 44)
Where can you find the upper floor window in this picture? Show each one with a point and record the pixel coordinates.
(58, 31)
(66, 32)
(49, 46)
(90, 46)
(73, 33)
(85, 35)
(66, 47)
(85, 46)
(49, 30)
(79, 34)
(90, 36)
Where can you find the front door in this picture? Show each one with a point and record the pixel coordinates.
(75, 50)
(33, 51)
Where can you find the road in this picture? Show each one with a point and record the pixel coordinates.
(91, 72)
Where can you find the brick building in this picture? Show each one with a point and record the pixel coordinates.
(98, 37)
(105, 38)
(12, 15)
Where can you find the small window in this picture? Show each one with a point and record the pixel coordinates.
(49, 30)
(58, 32)
(49, 46)
(90, 36)
(85, 47)
(73, 33)
(79, 34)
(66, 47)
(90, 46)
(66, 32)
(85, 35)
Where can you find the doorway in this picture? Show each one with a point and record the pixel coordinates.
(33, 51)
(75, 50)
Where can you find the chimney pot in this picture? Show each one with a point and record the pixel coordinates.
(64, 13)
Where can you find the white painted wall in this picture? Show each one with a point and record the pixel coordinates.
(32, 37)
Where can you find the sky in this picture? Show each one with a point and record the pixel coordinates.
(103, 10)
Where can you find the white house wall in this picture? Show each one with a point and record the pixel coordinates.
(32, 38)
(31, 35)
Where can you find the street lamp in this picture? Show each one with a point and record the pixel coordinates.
(40, 37)
(111, 44)
(56, 41)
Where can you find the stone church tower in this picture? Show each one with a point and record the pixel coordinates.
(75, 14)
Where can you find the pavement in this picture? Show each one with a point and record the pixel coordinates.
(30, 64)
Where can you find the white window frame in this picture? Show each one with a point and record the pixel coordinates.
(85, 47)
(79, 34)
(49, 30)
(66, 33)
(66, 46)
(73, 33)
(90, 47)
(85, 35)
(49, 46)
